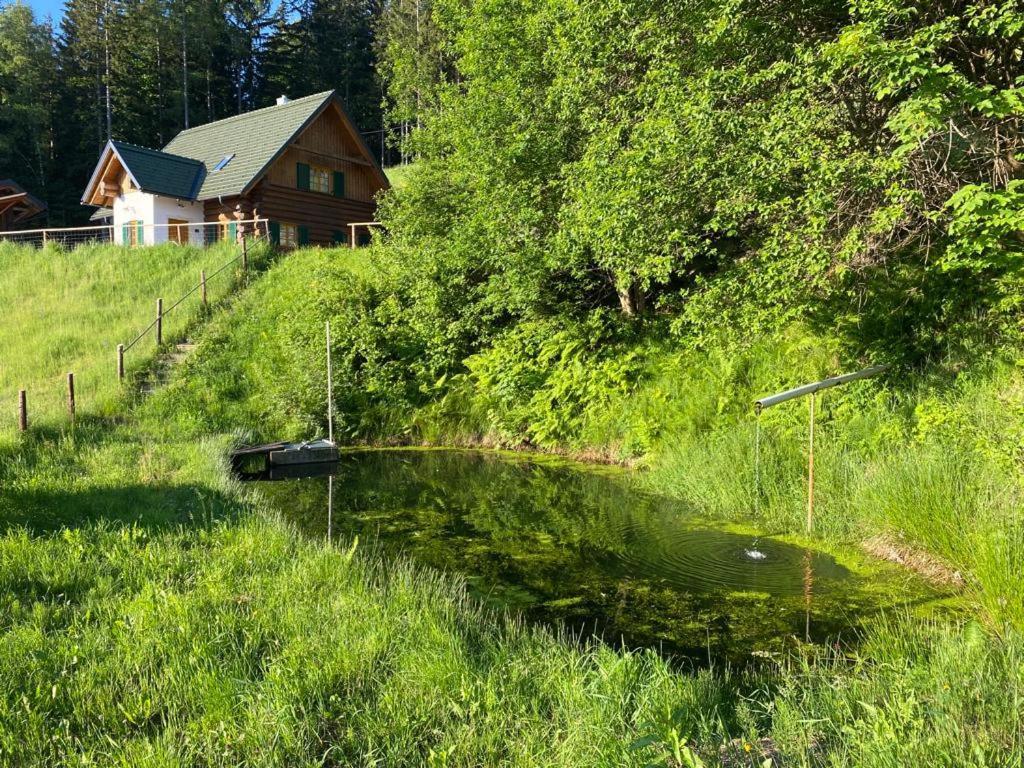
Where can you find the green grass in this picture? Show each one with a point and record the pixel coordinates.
(397, 175)
(933, 464)
(155, 612)
(66, 311)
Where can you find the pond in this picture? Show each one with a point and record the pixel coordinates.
(580, 548)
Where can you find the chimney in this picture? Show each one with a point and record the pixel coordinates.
(282, 99)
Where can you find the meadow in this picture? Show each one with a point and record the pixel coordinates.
(156, 612)
(66, 311)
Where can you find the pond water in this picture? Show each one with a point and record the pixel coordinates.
(581, 549)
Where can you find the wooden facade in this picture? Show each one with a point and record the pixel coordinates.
(305, 169)
(16, 205)
(319, 217)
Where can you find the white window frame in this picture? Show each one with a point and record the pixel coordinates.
(289, 235)
(319, 179)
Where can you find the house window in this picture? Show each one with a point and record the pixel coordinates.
(320, 180)
(289, 235)
(228, 231)
(132, 233)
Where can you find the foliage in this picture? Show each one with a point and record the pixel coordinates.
(154, 612)
(27, 70)
(738, 165)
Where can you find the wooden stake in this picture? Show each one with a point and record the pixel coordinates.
(71, 396)
(202, 289)
(120, 362)
(810, 472)
(159, 322)
(245, 255)
(22, 411)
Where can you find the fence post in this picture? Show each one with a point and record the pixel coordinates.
(202, 288)
(71, 395)
(22, 411)
(120, 362)
(245, 255)
(159, 322)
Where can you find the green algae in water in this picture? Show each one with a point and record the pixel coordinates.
(583, 550)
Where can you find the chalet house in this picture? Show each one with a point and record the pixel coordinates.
(16, 205)
(301, 165)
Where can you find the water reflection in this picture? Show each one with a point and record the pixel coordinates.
(582, 549)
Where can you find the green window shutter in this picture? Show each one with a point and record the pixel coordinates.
(302, 176)
(232, 231)
(140, 234)
(303, 234)
(126, 234)
(339, 237)
(339, 184)
(275, 232)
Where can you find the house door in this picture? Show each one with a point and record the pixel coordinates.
(177, 231)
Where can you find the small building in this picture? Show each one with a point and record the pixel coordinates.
(17, 206)
(301, 165)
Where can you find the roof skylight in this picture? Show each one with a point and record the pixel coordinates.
(223, 162)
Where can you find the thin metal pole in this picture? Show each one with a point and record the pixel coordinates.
(810, 472)
(71, 395)
(807, 389)
(202, 290)
(330, 389)
(757, 465)
(120, 362)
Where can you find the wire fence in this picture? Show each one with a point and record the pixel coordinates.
(246, 241)
(136, 233)
(253, 244)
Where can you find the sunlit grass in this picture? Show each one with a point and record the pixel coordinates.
(66, 311)
(154, 612)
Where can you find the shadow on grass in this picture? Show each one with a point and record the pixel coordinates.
(153, 507)
(67, 477)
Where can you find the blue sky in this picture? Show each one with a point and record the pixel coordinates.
(43, 8)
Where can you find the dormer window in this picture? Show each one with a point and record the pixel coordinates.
(223, 162)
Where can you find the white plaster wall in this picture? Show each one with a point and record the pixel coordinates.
(158, 210)
(132, 206)
(167, 208)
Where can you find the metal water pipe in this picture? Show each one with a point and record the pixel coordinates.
(810, 389)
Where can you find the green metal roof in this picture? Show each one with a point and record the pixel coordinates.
(161, 173)
(255, 139)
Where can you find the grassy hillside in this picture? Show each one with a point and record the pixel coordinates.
(153, 613)
(904, 462)
(66, 311)
(928, 469)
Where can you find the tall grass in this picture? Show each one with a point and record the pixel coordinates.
(153, 612)
(66, 311)
(934, 465)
